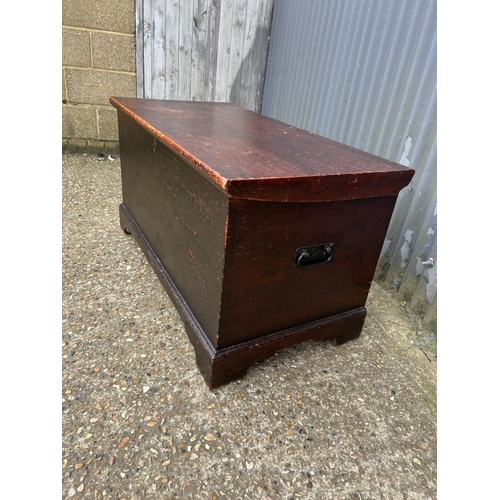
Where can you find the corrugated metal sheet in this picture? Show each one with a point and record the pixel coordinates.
(363, 72)
(203, 50)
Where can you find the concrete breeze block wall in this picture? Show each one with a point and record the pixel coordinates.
(98, 60)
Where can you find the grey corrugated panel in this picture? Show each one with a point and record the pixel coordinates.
(363, 72)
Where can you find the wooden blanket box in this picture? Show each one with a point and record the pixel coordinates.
(262, 234)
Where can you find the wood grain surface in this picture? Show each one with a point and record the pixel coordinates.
(251, 156)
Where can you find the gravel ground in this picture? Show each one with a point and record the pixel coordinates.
(316, 421)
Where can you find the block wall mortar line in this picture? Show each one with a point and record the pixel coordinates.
(97, 122)
(65, 138)
(79, 28)
(86, 68)
(87, 105)
(65, 86)
(91, 51)
(111, 32)
(65, 66)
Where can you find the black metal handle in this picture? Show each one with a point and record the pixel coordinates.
(312, 255)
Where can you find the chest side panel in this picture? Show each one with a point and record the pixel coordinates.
(265, 293)
(181, 214)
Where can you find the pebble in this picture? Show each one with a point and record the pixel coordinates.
(145, 389)
(71, 492)
(124, 441)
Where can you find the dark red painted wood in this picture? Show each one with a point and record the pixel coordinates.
(182, 216)
(220, 366)
(219, 199)
(251, 156)
(263, 292)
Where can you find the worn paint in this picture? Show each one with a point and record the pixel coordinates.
(404, 160)
(431, 287)
(385, 247)
(405, 249)
(203, 50)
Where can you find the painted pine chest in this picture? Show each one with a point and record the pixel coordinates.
(262, 234)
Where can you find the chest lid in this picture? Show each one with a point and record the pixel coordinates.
(251, 156)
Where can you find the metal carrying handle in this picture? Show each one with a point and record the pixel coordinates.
(313, 255)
